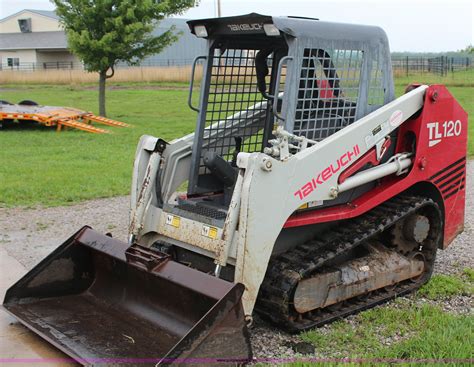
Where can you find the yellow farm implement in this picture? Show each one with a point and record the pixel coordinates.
(61, 117)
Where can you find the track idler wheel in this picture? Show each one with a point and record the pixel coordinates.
(417, 237)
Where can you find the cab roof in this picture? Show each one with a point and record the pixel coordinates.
(298, 27)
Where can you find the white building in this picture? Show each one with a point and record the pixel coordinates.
(33, 38)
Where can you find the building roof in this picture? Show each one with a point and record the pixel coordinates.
(45, 13)
(58, 39)
(34, 40)
(179, 23)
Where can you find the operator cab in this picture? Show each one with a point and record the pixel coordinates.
(342, 72)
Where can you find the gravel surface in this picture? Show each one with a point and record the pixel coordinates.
(30, 234)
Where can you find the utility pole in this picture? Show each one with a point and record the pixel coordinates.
(218, 8)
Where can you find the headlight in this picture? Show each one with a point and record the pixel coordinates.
(271, 30)
(200, 31)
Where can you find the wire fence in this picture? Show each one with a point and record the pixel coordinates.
(75, 65)
(179, 70)
(441, 65)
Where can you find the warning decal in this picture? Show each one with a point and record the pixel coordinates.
(209, 231)
(173, 220)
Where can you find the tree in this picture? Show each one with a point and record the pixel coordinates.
(104, 32)
(469, 49)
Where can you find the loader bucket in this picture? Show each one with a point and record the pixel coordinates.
(100, 301)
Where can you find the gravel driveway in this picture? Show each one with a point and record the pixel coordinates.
(30, 234)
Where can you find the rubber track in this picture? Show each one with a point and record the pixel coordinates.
(286, 270)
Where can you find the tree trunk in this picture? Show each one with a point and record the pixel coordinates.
(102, 79)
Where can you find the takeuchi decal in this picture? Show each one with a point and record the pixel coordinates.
(328, 172)
(245, 27)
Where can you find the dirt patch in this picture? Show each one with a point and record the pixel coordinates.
(29, 235)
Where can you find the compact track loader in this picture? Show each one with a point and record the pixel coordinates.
(312, 193)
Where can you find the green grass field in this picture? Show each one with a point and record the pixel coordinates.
(41, 167)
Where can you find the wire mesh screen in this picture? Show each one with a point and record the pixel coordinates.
(328, 91)
(236, 110)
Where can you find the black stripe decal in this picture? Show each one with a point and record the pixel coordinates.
(447, 168)
(453, 192)
(451, 180)
(452, 186)
(450, 173)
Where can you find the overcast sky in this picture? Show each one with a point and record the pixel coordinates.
(411, 25)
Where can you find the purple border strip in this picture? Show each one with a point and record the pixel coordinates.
(234, 360)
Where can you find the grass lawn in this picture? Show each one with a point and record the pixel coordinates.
(41, 167)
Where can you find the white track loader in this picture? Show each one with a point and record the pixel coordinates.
(306, 193)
